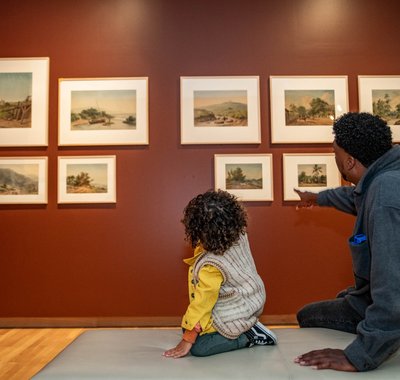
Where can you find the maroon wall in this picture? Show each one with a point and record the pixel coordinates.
(125, 260)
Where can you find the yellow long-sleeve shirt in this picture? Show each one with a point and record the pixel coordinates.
(203, 296)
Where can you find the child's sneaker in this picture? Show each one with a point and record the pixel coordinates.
(260, 335)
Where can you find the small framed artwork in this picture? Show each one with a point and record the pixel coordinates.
(103, 111)
(24, 98)
(303, 108)
(380, 95)
(23, 180)
(309, 172)
(220, 110)
(87, 179)
(248, 176)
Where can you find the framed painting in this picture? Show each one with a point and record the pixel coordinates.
(380, 95)
(87, 179)
(303, 108)
(103, 111)
(220, 110)
(23, 180)
(247, 176)
(24, 98)
(309, 172)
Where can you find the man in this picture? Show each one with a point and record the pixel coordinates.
(365, 157)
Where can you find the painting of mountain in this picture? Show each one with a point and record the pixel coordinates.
(13, 182)
(220, 108)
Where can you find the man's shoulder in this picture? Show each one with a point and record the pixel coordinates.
(385, 188)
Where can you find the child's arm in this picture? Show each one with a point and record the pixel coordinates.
(184, 346)
(182, 349)
(198, 313)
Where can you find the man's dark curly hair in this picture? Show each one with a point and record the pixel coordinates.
(216, 219)
(363, 135)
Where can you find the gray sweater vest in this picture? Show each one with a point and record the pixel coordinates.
(242, 295)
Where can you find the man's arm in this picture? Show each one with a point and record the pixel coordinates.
(341, 198)
(307, 199)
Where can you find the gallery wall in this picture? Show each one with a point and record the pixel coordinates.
(123, 261)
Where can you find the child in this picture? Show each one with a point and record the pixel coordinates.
(225, 291)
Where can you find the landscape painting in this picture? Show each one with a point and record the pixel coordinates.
(19, 179)
(309, 107)
(243, 176)
(386, 104)
(309, 172)
(247, 176)
(303, 108)
(15, 99)
(103, 110)
(312, 175)
(220, 108)
(23, 180)
(86, 178)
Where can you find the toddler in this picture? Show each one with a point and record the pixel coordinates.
(226, 293)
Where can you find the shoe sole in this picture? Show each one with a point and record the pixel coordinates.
(267, 332)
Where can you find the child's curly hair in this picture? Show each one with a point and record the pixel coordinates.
(215, 219)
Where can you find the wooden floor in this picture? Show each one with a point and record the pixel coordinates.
(23, 352)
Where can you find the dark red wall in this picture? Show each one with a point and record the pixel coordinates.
(125, 259)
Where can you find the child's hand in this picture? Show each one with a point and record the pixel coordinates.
(181, 350)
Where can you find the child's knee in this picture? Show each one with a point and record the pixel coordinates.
(197, 351)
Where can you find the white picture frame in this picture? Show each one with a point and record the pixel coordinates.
(23, 180)
(303, 108)
(220, 110)
(253, 172)
(384, 89)
(87, 179)
(320, 173)
(103, 111)
(24, 101)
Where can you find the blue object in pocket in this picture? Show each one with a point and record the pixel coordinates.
(358, 239)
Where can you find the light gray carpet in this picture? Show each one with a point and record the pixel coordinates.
(137, 354)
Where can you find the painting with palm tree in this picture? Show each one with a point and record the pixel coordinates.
(312, 175)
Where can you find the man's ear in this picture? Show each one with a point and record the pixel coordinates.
(350, 162)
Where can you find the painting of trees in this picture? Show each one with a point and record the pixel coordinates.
(243, 176)
(312, 175)
(309, 107)
(82, 182)
(386, 104)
